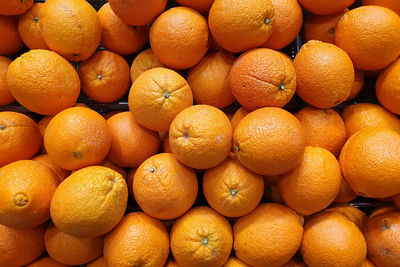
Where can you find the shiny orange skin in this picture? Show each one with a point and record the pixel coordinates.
(118, 36)
(346, 193)
(179, 37)
(359, 80)
(46, 161)
(354, 214)
(262, 78)
(145, 60)
(327, 8)
(5, 93)
(99, 262)
(238, 116)
(29, 28)
(16, 142)
(234, 262)
(15, 7)
(393, 5)
(387, 88)
(368, 263)
(199, 5)
(12, 42)
(46, 262)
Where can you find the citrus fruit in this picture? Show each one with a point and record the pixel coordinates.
(99, 262)
(201, 237)
(5, 94)
(327, 7)
(164, 188)
(11, 40)
(145, 60)
(29, 28)
(269, 141)
(56, 83)
(201, 136)
(46, 262)
(179, 37)
(14, 7)
(346, 193)
(294, 263)
(359, 80)
(42, 124)
(238, 116)
(199, 5)
(234, 262)
(271, 190)
(396, 200)
(166, 146)
(387, 88)
(357, 216)
(393, 5)
(45, 160)
(262, 77)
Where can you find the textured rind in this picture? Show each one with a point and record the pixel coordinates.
(388, 88)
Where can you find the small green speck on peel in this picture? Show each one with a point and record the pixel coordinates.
(166, 94)
(267, 21)
(234, 192)
(153, 169)
(204, 241)
(99, 76)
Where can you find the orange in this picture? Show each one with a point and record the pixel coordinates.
(56, 83)
(19, 247)
(14, 7)
(131, 143)
(393, 5)
(322, 27)
(69, 249)
(11, 41)
(346, 193)
(271, 226)
(382, 209)
(367, 115)
(77, 137)
(199, 5)
(313, 184)
(396, 200)
(179, 37)
(171, 263)
(238, 116)
(62, 22)
(201, 237)
(370, 35)
(19, 137)
(107, 163)
(201, 136)
(262, 77)
(129, 182)
(231, 189)
(323, 128)
(328, 7)
(288, 22)
(29, 28)
(90, 202)
(5, 94)
(145, 60)
(368, 263)
(118, 36)
(104, 76)
(42, 124)
(370, 162)
(269, 141)
(234, 262)
(331, 239)
(325, 74)
(381, 233)
(46, 161)
(388, 88)
(271, 190)
(354, 214)
(359, 80)
(136, 12)
(46, 262)
(166, 145)
(157, 96)
(294, 263)
(209, 80)
(164, 188)
(26, 190)
(138, 240)
(241, 25)
(100, 262)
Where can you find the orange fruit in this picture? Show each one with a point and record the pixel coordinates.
(19, 247)
(26, 190)
(346, 193)
(367, 115)
(381, 233)
(5, 94)
(262, 77)
(294, 263)
(241, 25)
(201, 237)
(313, 184)
(179, 37)
(357, 216)
(370, 162)
(90, 202)
(69, 249)
(135, 12)
(199, 5)
(118, 36)
(271, 226)
(271, 190)
(231, 189)
(322, 27)
(77, 137)
(234, 262)
(29, 28)
(359, 80)
(393, 5)
(368, 263)
(131, 143)
(201, 136)
(370, 35)
(323, 128)
(145, 60)
(100, 262)
(238, 117)
(14, 7)
(11, 41)
(325, 74)
(382, 209)
(396, 200)
(46, 262)
(164, 188)
(129, 182)
(166, 145)
(61, 23)
(46, 161)
(104, 76)
(387, 88)
(107, 163)
(56, 85)
(171, 263)
(42, 124)
(19, 137)
(269, 141)
(288, 21)
(138, 240)
(327, 8)
(157, 96)
(331, 239)
(209, 80)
